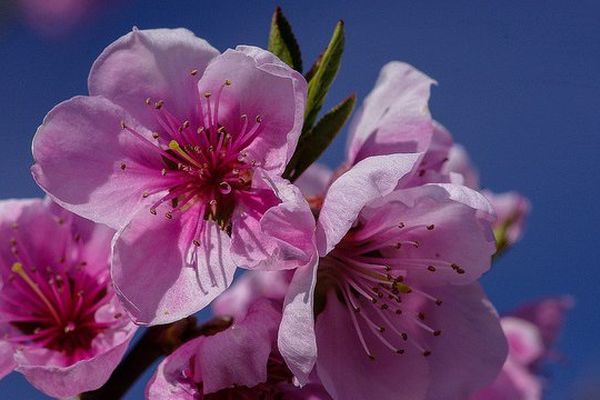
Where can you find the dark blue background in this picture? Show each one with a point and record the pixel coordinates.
(518, 86)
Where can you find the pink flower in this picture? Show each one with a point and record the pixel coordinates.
(399, 312)
(512, 210)
(181, 149)
(62, 326)
(240, 362)
(531, 332)
(58, 16)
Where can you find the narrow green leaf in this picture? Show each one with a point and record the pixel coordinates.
(282, 41)
(311, 72)
(324, 75)
(315, 141)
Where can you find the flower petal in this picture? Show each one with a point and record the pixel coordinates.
(7, 362)
(61, 381)
(394, 117)
(296, 337)
(165, 383)
(434, 216)
(315, 180)
(160, 275)
(88, 164)
(282, 237)
(238, 355)
(371, 178)
(349, 374)
(260, 86)
(248, 288)
(472, 348)
(155, 64)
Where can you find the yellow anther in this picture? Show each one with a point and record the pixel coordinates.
(173, 145)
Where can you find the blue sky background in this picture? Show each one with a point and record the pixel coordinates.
(518, 86)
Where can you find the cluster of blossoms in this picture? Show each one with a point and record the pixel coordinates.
(363, 281)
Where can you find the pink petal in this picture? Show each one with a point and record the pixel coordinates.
(349, 374)
(235, 356)
(7, 362)
(524, 340)
(371, 178)
(163, 384)
(471, 350)
(448, 211)
(315, 180)
(512, 210)
(155, 64)
(238, 355)
(79, 151)
(548, 315)
(57, 380)
(514, 383)
(394, 117)
(296, 337)
(283, 237)
(460, 163)
(160, 275)
(260, 86)
(248, 288)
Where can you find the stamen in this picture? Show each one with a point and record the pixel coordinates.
(18, 269)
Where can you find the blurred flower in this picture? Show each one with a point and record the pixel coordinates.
(399, 312)
(531, 332)
(181, 148)
(511, 210)
(62, 326)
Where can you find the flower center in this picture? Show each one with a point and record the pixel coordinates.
(371, 272)
(205, 167)
(53, 307)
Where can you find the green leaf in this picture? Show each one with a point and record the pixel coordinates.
(314, 142)
(282, 41)
(311, 72)
(325, 73)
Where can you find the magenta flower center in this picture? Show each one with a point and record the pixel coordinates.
(371, 271)
(53, 306)
(206, 167)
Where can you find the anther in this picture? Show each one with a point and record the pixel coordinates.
(437, 332)
(123, 125)
(145, 195)
(421, 316)
(196, 242)
(430, 227)
(123, 166)
(400, 351)
(404, 336)
(153, 211)
(155, 135)
(227, 82)
(426, 353)
(163, 172)
(169, 215)
(207, 94)
(431, 268)
(259, 119)
(401, 225)
(194, 72)
(148, 101)
(159, 104)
